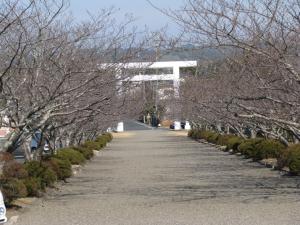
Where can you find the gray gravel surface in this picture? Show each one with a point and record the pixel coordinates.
(161, 177)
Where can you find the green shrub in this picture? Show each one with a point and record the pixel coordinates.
(104, 139)
(233, 143)
(102, 142)
(108, 136)
(191, 133)
(283, 158)
(101, 138)
(74, 157)
(13, 188)
(195, 134)
(86, 152)
(94, 145)
(259, 149)
(41, 171)
(206, 134)
(13, 169)
(268, 148)
(33, 186)
(212, 137)
(216, 138)
(223, 139)
(61, 167)
(248, 147)
(294, 159)
(49, 178)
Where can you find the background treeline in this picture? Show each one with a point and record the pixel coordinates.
(254, 88)
(58, 76)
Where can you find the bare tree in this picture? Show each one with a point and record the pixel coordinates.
(60, 79)
(258, 84)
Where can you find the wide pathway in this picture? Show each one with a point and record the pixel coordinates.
(160, 177)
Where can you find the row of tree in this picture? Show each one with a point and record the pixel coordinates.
(58, 76)
(256, 88)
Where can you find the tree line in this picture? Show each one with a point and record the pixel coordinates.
(58, 75)
(256, 88)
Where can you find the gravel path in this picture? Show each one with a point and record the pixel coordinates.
(160, 177)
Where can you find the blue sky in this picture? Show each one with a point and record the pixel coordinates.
(144, 13)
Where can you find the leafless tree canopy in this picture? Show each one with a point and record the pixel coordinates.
(257, 86)
(57, 76)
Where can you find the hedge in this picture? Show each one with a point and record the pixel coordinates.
(293, 159)
(86, 152)
(249, 147)
(212, 137)
(30, 179)
(107, 136)
(61, 167)
(73, 156)
(195, 134)
(223, 139)
(94, 145)
(33, 186)
(255, 148)
(208, 135)
(13, 169)
(268, 148)
(233, 143)
(42, 172)
(12, 188)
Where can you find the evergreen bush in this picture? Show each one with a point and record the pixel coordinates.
(94, 145)
(33, 186)
(293, 159)
(13, 169)
(268, 148)
(12, 188)
(223, 139)
(108, 136)
(249, 147)
(41, 171)
(74, 157)
(86, 152)
(195, 134)
(233, 143)
(212, 137)
(61, 167)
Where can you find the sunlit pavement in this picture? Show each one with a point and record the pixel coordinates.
(158, 177)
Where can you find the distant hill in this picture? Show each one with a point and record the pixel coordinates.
(182, 54)
(177, 54)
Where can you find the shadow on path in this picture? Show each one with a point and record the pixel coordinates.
(158, 177)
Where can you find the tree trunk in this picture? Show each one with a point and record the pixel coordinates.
(253, 133)
(27, 149)
(227, 129)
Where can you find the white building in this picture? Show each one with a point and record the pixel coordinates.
(156, 71)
